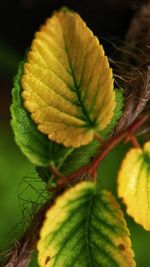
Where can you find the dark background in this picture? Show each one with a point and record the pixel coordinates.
(20, 19)
(19, 189)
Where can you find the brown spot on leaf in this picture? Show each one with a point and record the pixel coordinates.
(47, 259)
(121, 247)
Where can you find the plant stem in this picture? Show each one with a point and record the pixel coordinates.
(98, 138)
(133, 141)
(54, 171)
(104, 149)
(20, 254)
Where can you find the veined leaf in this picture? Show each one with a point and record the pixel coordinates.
(82, 155)
(134, 184)
(36, 146)
(67, 82)
(85, 228)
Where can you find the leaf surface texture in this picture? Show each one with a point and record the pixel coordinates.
(36, 146)
(85, 229)
(67, 82)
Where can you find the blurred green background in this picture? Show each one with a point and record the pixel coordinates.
(21, 191)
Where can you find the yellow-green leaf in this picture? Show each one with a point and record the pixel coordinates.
(85, 228)
(134, 184)
(67, 82)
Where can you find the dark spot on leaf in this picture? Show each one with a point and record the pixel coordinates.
(47, 259)
(121, 247)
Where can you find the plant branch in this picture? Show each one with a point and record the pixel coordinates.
(133, 141)
(20, 255)
(104, 149)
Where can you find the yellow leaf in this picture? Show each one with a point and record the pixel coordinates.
(67, 82)
(134, 184)
(85, 228)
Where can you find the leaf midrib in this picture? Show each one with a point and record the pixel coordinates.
(86, 115)
(88, 222)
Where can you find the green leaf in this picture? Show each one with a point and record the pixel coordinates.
(72, 161)
(67, 81)
(85, 228)
(77, 158)
(35, 145)
(43, 173)
(117, 113)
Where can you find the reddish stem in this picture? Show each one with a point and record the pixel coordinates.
(104, 149)
(133, 140)
(137, 124)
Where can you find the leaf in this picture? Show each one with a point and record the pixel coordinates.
(36, 146)
(85, 228)
(77, 158)
(134, 184)
(67, 82)
(43, 173)
(117, 113)
(72, 161)
(39, 149)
